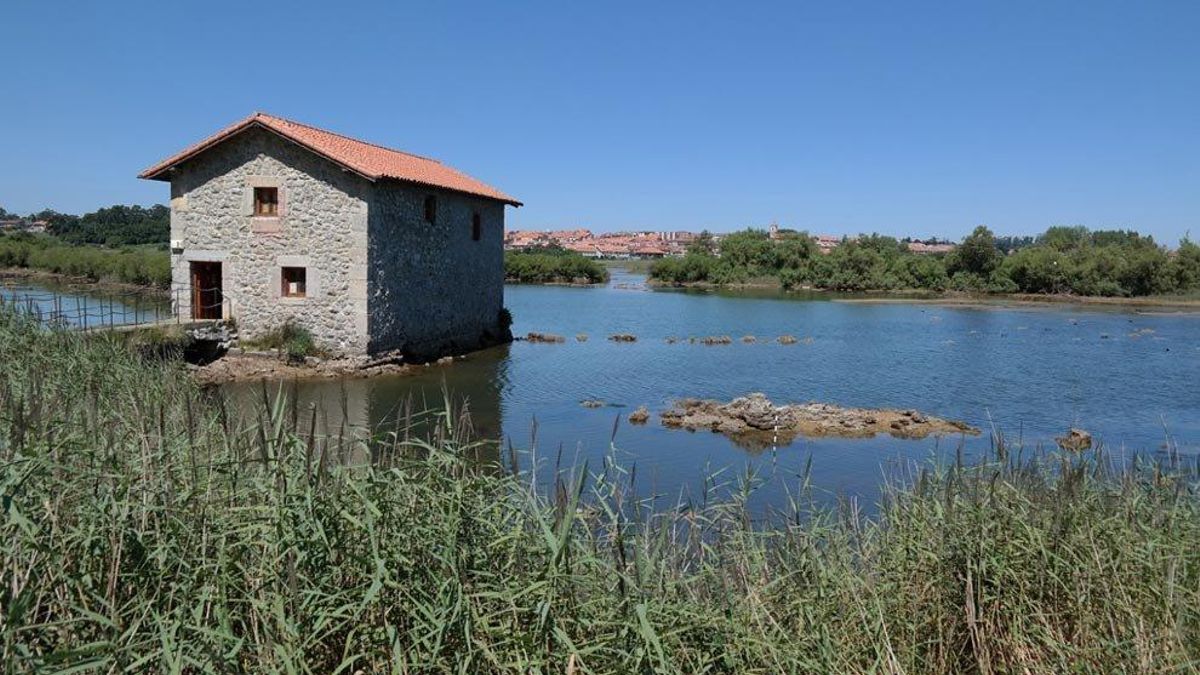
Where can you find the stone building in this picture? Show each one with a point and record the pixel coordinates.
(370, 249)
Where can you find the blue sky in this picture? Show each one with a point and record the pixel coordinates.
(840, 117)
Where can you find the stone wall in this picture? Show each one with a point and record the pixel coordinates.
(322, 226)
(433, 290)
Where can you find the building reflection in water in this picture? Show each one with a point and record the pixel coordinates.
(361, 419)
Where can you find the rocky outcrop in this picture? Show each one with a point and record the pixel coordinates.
(238, 365)
(1076, 440)
(639, 416)
(756, 416)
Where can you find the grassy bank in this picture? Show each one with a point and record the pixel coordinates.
(140, 266)
(144, 529)
(552, 266)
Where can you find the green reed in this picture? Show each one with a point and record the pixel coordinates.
(150, 527)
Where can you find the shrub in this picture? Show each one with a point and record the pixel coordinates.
(554, 266)
(290, 338)
(140, 266)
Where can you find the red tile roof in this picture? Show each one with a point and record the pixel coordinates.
(372, 162)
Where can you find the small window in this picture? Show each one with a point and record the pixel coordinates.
(431, 209)
(294, 282)
(266, 201)
(476, 227)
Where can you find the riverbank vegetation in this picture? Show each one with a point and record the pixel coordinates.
(552, 265)
(137, 265)
(1063, 260)
(150, 526)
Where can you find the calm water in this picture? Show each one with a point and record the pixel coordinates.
(1132, 379)
(72, 307)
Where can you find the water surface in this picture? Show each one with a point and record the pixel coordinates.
(73, 307)
(1132, 379)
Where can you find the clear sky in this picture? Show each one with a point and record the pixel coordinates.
(838, 117)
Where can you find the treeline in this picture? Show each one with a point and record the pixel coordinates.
(117, 225)
(1066, 260)
(141, 266)
(552, 265)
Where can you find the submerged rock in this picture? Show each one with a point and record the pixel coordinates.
(592, 403)
(639, 416)
(544, 337)
(787, 339)
(623, 337)
(756, 415)
(1076, 440)
(717, 340)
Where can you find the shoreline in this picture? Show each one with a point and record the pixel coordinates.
(74, 283)
(1033, 300)
(900, 296)
(248, 366)
(950, 298)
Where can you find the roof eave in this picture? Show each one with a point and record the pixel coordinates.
(504, 199)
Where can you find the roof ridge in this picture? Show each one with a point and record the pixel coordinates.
(370, 160)
(258, 114)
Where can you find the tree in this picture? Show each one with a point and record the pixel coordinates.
(977, 254)
(1061, 238)
(703, 244)
(1184, 268)
(751, 249)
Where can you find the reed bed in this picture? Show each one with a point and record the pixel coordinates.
(148, 527)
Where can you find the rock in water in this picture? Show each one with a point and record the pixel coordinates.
(1076, 440)
(639, 416)
(755, 415)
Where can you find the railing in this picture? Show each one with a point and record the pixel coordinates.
(109, 310)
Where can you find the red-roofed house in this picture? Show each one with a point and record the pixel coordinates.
(370, 249)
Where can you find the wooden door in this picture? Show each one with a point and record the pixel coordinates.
(206, 290)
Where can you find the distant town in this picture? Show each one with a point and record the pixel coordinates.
(15, 224)
(652, 244)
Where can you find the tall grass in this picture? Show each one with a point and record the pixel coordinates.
(149, 527)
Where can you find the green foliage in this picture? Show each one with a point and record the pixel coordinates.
(1066, 260)
(149, 526)
(853, 267)
(703, 244)
(140, 266)
(290, 338)
(118, 226)
(552, 266)
(691, 268)
(1183, 270)
(976, 255)
(750, 250)
(115, 226)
